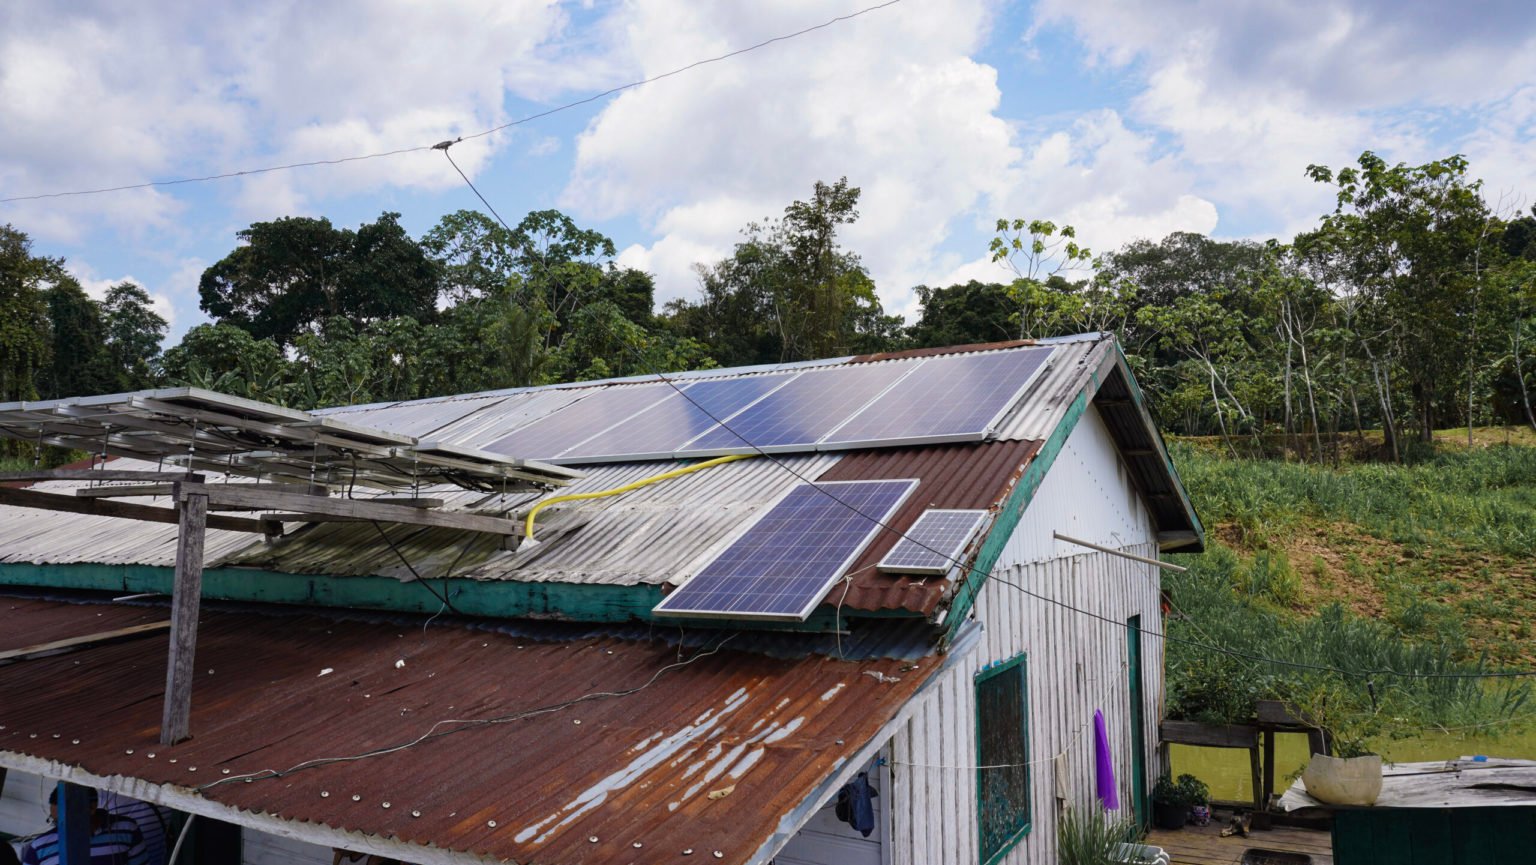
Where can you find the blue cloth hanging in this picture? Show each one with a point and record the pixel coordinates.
(856, 806)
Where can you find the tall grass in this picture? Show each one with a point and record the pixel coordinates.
(1342, 668)
(1483, 500)
(1089, 836)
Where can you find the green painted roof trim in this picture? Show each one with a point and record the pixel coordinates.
(1012, 511)
(1140, 399)
(491, 598)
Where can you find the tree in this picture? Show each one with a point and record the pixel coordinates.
(294, 273)
(23, 313)
(789, 291)
(80, 364)
(1406, 242)
(227, 359)
(134, 333)
(960, 314)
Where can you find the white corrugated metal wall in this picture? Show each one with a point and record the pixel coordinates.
(1076, 664)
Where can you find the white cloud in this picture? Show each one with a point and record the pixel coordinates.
(96, 287)
(699, 157)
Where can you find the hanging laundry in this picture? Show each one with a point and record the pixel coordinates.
(856, 806)
(1104, 768)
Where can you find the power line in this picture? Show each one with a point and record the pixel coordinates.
(441, 145)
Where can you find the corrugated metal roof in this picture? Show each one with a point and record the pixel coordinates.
(597, 738)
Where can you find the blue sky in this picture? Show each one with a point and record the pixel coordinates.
(1125, 120)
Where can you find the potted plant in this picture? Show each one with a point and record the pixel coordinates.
(1169, 808)
(1198, 795)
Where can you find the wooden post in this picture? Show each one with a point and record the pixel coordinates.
(1269, 767)
(1253, 770)
(176, 719)
(74, 824)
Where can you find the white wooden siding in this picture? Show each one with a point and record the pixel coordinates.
(826, 840)
(1076, 664)
(259, 848)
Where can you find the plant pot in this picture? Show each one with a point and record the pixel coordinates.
(1166, 815)
(1343, 781)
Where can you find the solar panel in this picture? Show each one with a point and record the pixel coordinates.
(666, 426)
(785, 563)
(800, 413)
(934, 543)
(600, 409)
(955, 398)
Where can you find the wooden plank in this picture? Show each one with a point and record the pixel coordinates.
(132, 490)
(58, 647)
(105, 508)
(1209, 735)
(236, 496)
(1261, 799)
(176, 719)
(39, 475)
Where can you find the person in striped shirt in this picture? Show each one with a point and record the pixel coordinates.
(114, 840)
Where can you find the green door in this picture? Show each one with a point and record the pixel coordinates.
(1141, 808)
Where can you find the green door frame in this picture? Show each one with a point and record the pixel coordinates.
(1140, 805)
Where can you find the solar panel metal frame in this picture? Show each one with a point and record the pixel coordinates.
(569, 458)
(816, 597)
(571, 413)
(1011, 403)
(911, 538)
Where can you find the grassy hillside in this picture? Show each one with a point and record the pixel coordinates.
(1367, 567)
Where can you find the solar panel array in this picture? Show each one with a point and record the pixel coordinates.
(934, 543)
(947, 398)
(784, 564)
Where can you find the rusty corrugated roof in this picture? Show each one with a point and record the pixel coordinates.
(631, 765)
(971, 476)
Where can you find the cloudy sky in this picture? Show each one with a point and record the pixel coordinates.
(1126, 120)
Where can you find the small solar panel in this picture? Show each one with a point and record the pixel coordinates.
(800, 413)
(953, 398)
(934, 543)
(669, 424)
(784, 564)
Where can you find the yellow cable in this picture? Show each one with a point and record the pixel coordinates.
(635, 485)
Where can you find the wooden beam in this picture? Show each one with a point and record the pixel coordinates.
(46, 501)
(1209, 735)
(59, 647)
(38, 475)
(176, 719)
(134, 490)
(236, 496)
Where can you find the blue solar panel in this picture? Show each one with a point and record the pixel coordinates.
(548, 436)
(934, 543)
(785, 563)
(955, 398)
(798, 414)
(669, 424)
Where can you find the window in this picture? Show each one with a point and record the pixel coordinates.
(1002, 750)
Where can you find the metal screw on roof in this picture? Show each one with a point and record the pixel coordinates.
(129, 751)
(74, 741)
(383, 804)
(719, 855)
(491, 823)
(415, 813)
(225, 771)
(356, 798)
(191, 768)
(151, 755)
(577, 721)
(55, 735)
(173, 759)
(592, 838)
(325, 794)
(688, 851)
(638, 845)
